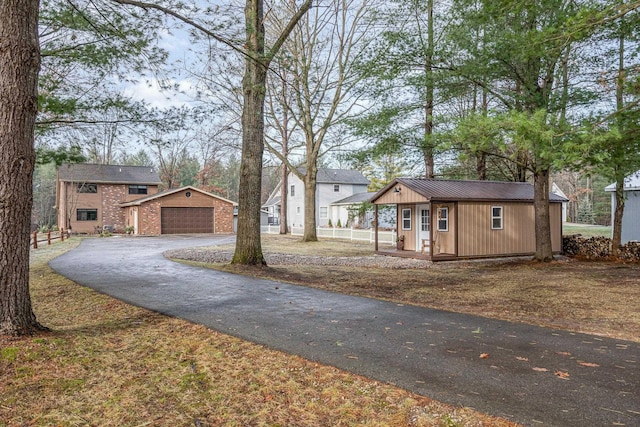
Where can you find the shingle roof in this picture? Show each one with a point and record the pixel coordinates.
(356, 198)
(138, 202)
(112, 174)
(339, 176)
(441, 189)
(632, 182)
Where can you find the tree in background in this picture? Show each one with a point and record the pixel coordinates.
(320, 57)
(613, 137)
(19, 65)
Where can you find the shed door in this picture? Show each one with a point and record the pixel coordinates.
(186, 220)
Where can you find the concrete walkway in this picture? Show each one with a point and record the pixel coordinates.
(532, 375)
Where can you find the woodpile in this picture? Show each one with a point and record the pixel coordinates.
(630, 251)
(598, 248)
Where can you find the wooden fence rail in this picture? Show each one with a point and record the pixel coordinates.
(47, 237)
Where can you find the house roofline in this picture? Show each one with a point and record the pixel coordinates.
(138, 202)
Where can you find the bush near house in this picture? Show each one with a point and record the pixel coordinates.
(598, 248)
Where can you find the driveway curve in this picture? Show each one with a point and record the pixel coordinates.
(531, 375)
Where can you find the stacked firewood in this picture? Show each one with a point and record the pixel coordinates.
(597, 248)
(630, 251)
(589, 248)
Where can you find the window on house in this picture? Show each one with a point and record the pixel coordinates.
(424, 219)
(323, 212)
(292, 192)
(443, 219)
(138, 189)
(298, 210)
(406, 219)
(87, 188)
(496, 217)
(87, 214)
(336, 188)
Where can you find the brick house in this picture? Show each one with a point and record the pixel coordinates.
(90, 198)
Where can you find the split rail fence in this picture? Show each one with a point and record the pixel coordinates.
(37, 238)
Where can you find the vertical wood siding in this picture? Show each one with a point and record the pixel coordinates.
(476, 238)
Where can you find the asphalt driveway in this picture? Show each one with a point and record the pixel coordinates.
(532, 375)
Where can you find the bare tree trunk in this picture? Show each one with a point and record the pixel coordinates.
(248, 245)
(310, 233)
(428, 150)
(544, 250)
(616, 240)
(619, 210)
(19, 66)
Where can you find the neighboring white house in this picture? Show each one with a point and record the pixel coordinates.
(556, 190)
(631, 216)
(331, 185)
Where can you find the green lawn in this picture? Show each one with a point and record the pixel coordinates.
(586, 230)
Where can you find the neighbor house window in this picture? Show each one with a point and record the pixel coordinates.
(496, 217)
(443, 219)
(336, 188)
(87, 214)
(87, 188)
(323, 212)
(406, 219)
(138, 189)
(298, 210)
(293, 191)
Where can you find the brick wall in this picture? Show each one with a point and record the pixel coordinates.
(112, 214)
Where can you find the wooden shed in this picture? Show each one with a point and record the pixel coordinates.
(448, 219)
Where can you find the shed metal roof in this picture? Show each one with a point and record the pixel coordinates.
(441, 189)
(108, 174)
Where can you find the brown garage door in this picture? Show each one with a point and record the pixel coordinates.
(187, 220)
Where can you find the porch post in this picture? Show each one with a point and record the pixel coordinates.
(375, 226)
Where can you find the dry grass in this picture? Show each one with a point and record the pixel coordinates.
(592, 297)
(111, 364)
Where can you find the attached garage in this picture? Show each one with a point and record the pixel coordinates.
(185, 210)
(186, 220)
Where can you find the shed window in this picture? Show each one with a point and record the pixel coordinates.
(496, 217)
(137, 189)
(87, 214)
(87, 188)
(443, 219)
(336, 188)
(292, 192)
(323, 212)
(406, 219)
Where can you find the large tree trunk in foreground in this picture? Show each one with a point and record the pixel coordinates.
(248, 245)
(19, 66)
(544, 251)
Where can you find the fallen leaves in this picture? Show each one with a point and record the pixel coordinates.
(522, 359)
(588, 364)
(484, 356)
(561, 374)
(540, 369)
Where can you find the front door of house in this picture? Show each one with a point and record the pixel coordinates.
(423, 220)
